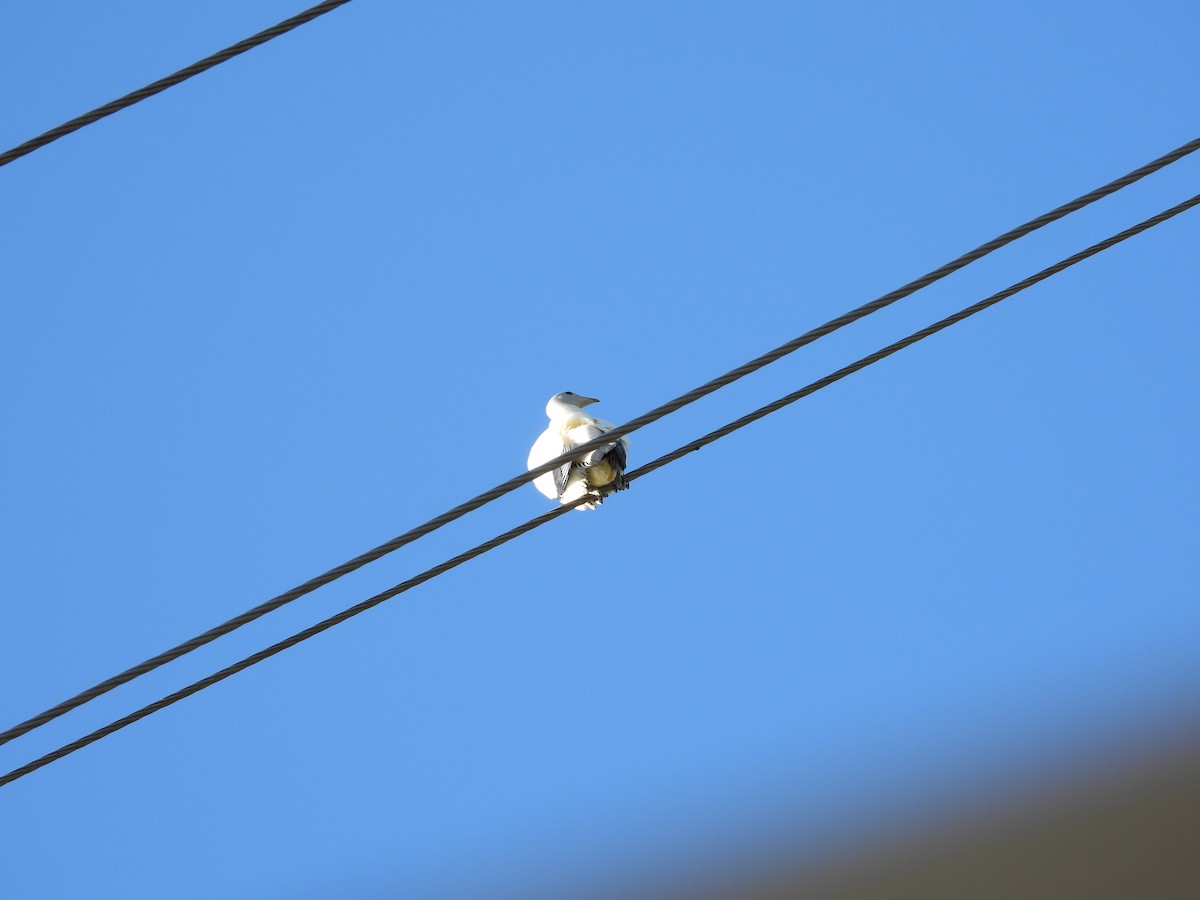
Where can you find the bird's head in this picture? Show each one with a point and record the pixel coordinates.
(567, 398)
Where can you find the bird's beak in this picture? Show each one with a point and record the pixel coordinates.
(587, 400)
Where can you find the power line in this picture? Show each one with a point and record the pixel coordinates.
(654, 415)
(162, 84)
(538, 521)
(918, 336)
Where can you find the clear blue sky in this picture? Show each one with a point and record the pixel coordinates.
(279, 314)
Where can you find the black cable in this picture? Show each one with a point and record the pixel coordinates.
(538, 521)
(917, 336)
(170, 81)
(654, 415)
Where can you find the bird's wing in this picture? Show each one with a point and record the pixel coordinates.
(563, 472)
(549, 445)
(619, 454)
(617, 451)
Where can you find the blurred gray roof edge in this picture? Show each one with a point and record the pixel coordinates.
(1126, 828)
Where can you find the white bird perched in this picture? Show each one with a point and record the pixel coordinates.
(598, 473)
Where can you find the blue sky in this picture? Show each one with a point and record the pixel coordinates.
(311, 298)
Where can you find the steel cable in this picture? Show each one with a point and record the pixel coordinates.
(538, 521)
(654, 415)
(162, 84)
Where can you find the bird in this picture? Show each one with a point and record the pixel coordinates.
(595, 475)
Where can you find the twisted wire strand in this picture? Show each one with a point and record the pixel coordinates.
(162, 84)
(553, 514)
(654, 415)
(940, 325)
